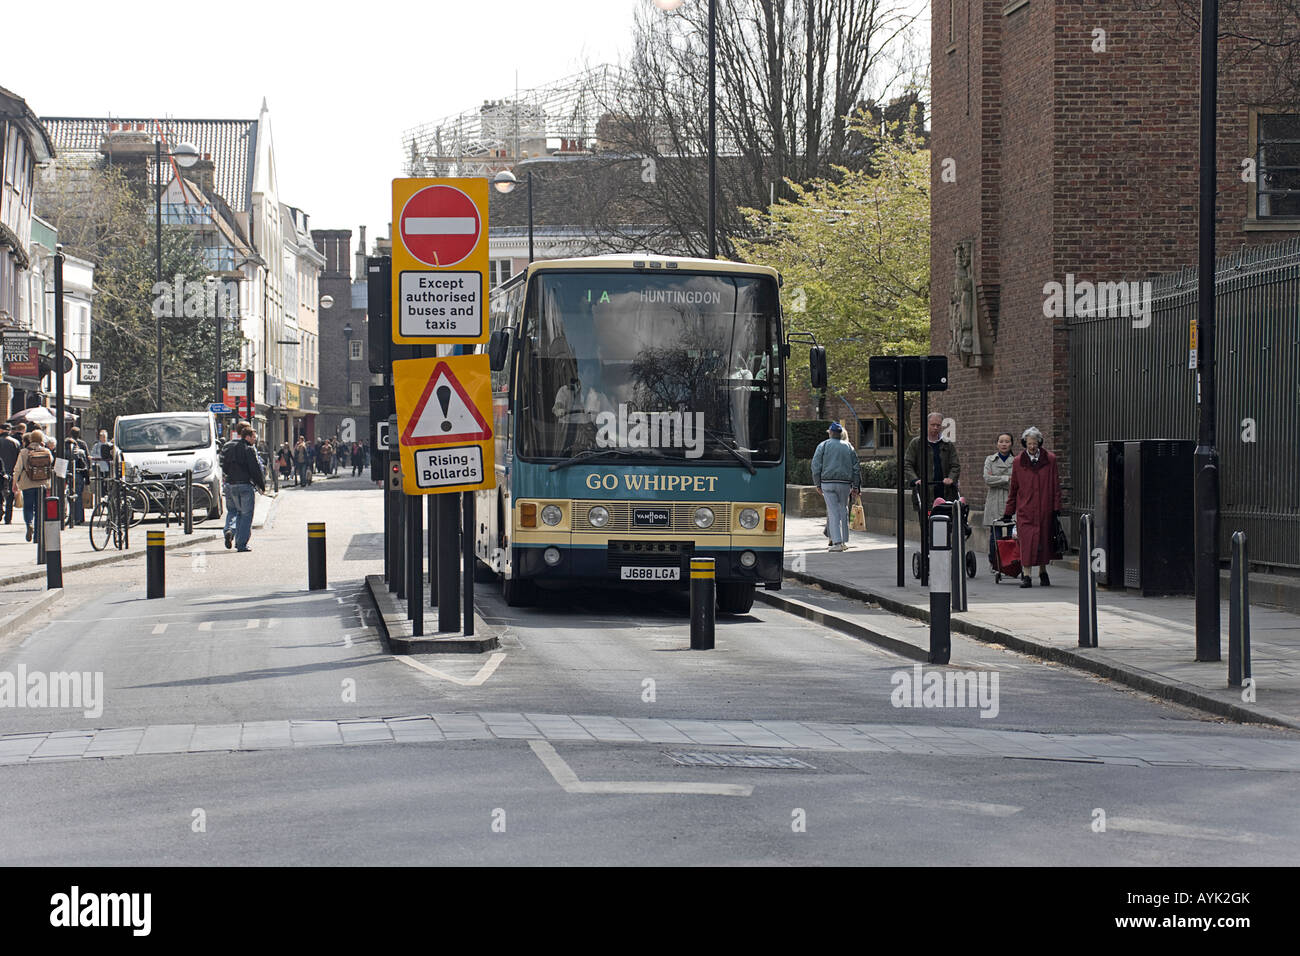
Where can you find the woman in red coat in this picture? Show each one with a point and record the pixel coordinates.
(1035, 499)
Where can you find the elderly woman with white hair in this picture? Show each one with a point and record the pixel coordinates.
(1035, 499)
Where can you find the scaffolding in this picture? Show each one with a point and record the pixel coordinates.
(559, 118)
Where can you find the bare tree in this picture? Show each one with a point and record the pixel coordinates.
(789, 72)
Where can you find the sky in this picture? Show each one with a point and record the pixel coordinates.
(342, 80)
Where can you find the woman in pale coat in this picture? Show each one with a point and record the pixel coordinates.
(997, 475)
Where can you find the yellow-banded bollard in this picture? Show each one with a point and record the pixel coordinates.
(703, 608)
(316, 556)
(153, 562)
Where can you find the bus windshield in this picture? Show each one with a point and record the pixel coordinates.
(652, 365)
(167, 433)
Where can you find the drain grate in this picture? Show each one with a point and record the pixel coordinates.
(748, 761)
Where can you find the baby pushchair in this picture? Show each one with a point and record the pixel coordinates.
(947, 507)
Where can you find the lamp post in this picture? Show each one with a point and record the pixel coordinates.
(184, 156)
(505, 183)
(1207, 457)
(713, 118)
(347, 355)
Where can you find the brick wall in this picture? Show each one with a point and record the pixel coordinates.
(1069, 159)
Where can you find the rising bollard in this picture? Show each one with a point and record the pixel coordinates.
(1239, 614)
(703, 603)
(154, 555)
(1087, 586)
(315, 556)
(53, 552)
(940, 582)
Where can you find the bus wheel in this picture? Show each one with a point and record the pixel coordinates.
(518, 592)
(735, 597)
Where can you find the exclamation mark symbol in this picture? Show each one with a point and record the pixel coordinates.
(444, 399)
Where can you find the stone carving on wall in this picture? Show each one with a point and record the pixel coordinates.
(971, 344)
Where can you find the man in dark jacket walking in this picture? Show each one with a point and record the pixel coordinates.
(243, 473)
(9, 449)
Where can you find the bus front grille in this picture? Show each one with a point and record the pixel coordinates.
(681, 517)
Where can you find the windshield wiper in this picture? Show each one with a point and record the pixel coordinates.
(600, 452)
(734, 449)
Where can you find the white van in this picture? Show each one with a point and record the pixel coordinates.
(167, 444)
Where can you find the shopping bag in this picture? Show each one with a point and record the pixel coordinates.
(857, 517)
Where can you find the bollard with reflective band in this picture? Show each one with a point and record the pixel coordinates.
(703, 603)
(154, 555)
(53, 554)
(1239, 613)
(1087, 586)
(940, 598)
(316, 556)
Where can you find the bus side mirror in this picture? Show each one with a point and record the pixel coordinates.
(817, 366)
(499, 349)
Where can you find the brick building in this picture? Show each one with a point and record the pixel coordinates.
(344, 373)
(1065, 144)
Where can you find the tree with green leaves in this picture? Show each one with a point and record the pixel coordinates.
(854, 252)
(101, 218)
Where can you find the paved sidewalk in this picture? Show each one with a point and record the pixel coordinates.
(19, 571)
(1147, 643)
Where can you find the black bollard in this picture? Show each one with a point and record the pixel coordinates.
(1239, 614)
(53, 552)
(703, 603)
(316, 556)
(940, 599)
(154, 555)
(189, 501)
(1087, 586)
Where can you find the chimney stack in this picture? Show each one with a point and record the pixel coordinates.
(361, 256)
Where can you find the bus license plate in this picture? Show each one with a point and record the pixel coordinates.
(651, 574)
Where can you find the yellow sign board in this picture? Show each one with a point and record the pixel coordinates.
(440, 261)
(444, 424)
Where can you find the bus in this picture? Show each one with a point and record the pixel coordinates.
(639, 421)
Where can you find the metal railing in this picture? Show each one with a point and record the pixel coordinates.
(1129, 382)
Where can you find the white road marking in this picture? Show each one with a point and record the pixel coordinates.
(963, 806)
(160, 628)
(563, 775)
(484, 672)
(1160, 828)
(250, 624)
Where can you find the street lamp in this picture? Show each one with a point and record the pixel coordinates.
(184, 156)
(505, 183)
(669, 5)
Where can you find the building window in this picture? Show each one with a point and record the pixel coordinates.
(354, 350)
(1277, 159)
(498, 272)
(866, 433)
(356, 393)
(884, 434)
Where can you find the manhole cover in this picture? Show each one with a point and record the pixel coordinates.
(749, 761)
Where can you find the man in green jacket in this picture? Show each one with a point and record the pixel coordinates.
(836, 475)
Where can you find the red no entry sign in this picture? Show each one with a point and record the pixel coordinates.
(440, 225)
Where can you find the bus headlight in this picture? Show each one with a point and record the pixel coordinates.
(598, 516)
(703, 517)
(551, 515)
(749, 518)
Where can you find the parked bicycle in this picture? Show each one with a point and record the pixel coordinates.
(111, 520)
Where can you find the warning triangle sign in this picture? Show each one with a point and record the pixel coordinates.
(445, 413)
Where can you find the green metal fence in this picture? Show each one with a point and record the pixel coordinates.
(1129, 383)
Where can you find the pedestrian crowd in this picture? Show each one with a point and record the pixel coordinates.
(325, 457)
